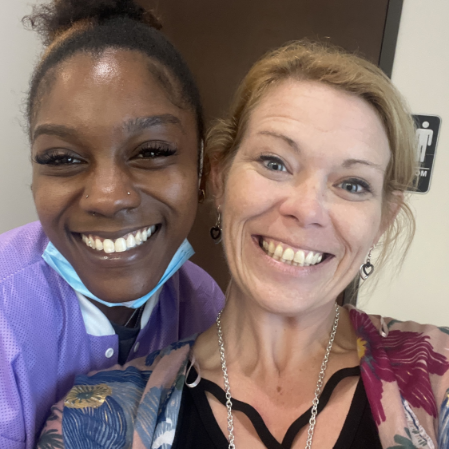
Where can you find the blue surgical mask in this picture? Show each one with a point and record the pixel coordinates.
(63, 267)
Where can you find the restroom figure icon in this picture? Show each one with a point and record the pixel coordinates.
(424, 136)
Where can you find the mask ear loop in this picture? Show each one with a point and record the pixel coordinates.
(201, 192)
(201, 162)
(198, 377)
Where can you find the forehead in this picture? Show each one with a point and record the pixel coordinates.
(320, 117)
(99, 90)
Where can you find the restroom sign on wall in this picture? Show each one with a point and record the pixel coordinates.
(427, 130)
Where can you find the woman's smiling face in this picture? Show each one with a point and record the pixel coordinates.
(115, 172)
(302, 201)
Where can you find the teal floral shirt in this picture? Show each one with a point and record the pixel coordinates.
(404, 368)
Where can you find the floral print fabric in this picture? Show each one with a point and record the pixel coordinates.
(405, 373)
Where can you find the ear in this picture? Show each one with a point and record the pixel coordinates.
(390, 212)
(217, 181)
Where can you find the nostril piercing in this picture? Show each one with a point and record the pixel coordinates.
(87, 196)
(129, 193)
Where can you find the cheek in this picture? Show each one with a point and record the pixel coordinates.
(50, 198)
(357, 224)
(178, 189)
(247, 194)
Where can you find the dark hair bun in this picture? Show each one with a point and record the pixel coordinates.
(52, 19)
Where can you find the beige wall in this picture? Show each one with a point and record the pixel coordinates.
(18, 49)
(421, 72)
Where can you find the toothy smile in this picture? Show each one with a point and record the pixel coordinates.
(121, 244)
(283, 253)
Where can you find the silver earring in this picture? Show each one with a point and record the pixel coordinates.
(215, 231)
(366, 269)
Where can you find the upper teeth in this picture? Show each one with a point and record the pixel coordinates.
(121, 244)
(291, 257)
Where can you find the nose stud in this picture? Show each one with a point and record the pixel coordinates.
(129, 193)
(87, 196)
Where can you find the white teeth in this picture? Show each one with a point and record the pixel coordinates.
(290, 257)
(299, 257)
(278, 252)
(98, 245)
(108, 246)
(309, 258)
(130, 241)
(120, 245)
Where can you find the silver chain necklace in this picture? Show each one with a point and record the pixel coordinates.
(319, 385)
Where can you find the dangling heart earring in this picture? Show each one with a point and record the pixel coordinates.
(366, 269)
(215, 231)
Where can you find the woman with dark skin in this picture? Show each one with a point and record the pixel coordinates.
(116, 145)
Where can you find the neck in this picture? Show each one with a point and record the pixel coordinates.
(257, 339)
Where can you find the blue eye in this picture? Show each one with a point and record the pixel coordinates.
(356, 186)
(273, 163)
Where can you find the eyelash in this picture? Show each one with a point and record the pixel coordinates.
(265, 159)
(56, 158)
(155, 151)
(366, 187)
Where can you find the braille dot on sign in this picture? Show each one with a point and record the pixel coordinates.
(136, 346)
(109, 353)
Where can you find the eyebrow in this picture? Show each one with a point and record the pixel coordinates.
(350, 162)
(141, 123)
(286, 139)
(131, 126)
(53, 130)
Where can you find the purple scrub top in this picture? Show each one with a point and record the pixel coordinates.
(43, 339)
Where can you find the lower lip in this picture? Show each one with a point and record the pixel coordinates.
(117, 258)
(289, 269)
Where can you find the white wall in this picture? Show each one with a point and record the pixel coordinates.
(18, 52)
(421, 72)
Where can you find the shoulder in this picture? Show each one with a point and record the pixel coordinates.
(21, 248)
(401, 333)
(143, 395)
(413, 355)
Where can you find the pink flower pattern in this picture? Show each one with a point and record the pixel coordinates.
(403, 357)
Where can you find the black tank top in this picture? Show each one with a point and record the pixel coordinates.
(198, 429)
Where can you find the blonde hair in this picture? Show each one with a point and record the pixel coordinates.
(311, 61)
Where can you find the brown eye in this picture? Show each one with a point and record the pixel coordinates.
(56, 159)
(155, 152)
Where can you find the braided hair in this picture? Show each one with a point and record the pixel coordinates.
(68, 27)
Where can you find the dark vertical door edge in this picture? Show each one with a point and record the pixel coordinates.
(386, 60)
(390, 37)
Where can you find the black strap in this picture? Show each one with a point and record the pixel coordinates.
(259, 425)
